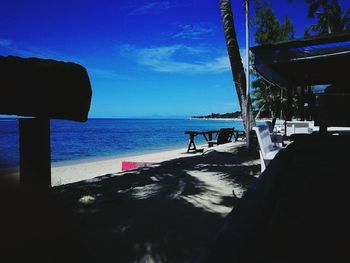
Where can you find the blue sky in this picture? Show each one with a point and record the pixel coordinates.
(144, 57)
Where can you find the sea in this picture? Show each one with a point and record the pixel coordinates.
(103, 138)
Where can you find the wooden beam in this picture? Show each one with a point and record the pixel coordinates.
(35, 152)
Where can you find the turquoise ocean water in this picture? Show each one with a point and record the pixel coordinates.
(101, 138)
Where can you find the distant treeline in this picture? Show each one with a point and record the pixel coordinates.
(236, 114)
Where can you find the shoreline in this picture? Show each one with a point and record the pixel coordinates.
(74, 171)
(116, 156)
(217, 119)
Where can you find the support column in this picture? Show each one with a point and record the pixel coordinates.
(310, 103)
(281, 108)
(288, 113)
(289, 103)
(35, 152)
(301, 103)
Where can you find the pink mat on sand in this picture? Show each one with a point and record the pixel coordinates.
(134, 165)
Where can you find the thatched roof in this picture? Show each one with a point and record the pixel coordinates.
(44, 88)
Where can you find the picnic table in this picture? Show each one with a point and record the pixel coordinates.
(208, 135)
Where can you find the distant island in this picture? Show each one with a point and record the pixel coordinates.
(228, 115)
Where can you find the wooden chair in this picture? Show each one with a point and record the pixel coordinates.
(268, 149)
(239, 135)
(224, 136)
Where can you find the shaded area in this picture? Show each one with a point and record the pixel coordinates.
(167, 213)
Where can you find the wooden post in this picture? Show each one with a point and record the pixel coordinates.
(289, 103)
(288, 112)
(309, 103)
(35, 152)
(301, 103)
(281, 108)
(323, 129)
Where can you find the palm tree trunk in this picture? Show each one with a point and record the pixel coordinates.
(258, 114)
(274, 114)
(237, 68)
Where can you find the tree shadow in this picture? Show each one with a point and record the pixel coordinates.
(166, 213)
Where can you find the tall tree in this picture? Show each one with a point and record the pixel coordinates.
(266, 99)
(330, 17)
(237, 68)
(268, 30)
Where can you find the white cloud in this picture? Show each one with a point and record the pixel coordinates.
(194, 32)
(152, 7)
(5, 42)
(177, 59)
(18, 50)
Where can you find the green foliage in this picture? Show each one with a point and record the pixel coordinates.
(269, 30)
(266, 97)
(330, 17)
(236, 114)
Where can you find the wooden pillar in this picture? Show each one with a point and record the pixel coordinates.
(289, 103)
(309, 103)
(323, 129)
(281, 108)
(301, 103)
(35, 152)
(288, 109)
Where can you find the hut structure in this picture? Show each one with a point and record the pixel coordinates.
(298, 210)
(40, 90)
(297, 65)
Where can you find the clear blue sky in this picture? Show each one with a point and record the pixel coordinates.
(144, 57)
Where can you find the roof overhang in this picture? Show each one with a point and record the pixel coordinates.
(307, 61)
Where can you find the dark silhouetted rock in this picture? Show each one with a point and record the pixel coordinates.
(44, 88)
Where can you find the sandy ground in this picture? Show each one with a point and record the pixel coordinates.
(71, 173)
(170, 212)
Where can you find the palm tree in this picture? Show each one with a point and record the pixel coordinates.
(237, 68)
(268, 30)
(330, 20)
(266, 99)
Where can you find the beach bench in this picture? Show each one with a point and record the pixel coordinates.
(224, 136)
(268, 149)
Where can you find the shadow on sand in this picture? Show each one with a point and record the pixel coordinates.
(167, 213)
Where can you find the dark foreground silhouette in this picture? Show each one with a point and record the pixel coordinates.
(169, 213)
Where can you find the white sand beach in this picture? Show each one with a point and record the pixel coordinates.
(170, 212)
(83, 170)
